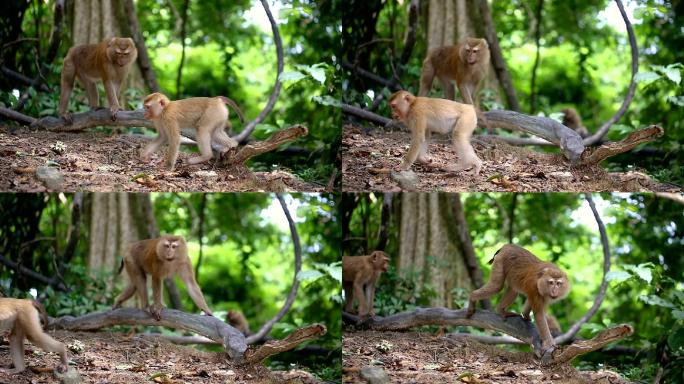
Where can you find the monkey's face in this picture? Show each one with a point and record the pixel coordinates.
(121, 51)
(472, 54)
(168, 249)
(399, 104)
(153, 108)
(380, 261)
(554, 286)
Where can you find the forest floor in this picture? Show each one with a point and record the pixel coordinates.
(368, 158)
(414, 357)
(96, 161)
(111, 357)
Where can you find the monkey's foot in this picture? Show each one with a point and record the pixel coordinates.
(155, 311)
(68, 118)
(509, 314)
(113, 111)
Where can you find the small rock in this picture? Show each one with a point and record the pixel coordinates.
(71, 376)
(561, 175)
(205, 174)
(374, 375)
(50, 177)
(406, 179)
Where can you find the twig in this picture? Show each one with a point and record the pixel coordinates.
(266, 328)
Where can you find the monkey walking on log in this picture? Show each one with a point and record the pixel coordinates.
(208, 115)
(360, 274)
(465, 63)
(22, 318)
(108, 61)
(161, 258)
(424, 115)
(541, 282)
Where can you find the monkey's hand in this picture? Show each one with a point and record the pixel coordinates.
(470, 311)
(68, 118)
(113, 110)
(155, 311)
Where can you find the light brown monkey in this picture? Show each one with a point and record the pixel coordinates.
(22, 319)
(572, 120)
(425, 115)
(360, 274)
(466, 63)
(541, 282)
(161, 258)
(108, 61)
(238, 321)
(207, 114)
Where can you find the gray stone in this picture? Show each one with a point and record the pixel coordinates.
(406, 179)
(50, 177)
(374, 375)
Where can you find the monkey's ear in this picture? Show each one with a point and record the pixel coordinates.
(111, 41)
(543, 271)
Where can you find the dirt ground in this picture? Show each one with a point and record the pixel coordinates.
(99, 162)
(368, 158)
(108, 357)
(414, 357)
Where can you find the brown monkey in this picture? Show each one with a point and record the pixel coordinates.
(22, 319)
(466, 63)
(238, 321)
(207, 114)
(542, 282)
(161, 257)
(109, 61)
(572, 120)
(425, 115)
(360, 274)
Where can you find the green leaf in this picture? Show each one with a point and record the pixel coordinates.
(618, 276)
(646, 77)
(679, 315)
(291, 76)
(676, 100)
(310, 275)
(334, 270)
(327, 100)
(318, 74)
(641, 270)
(676, 339)
(655, 300)
(673, 74)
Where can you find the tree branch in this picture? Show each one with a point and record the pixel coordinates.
(266, 328)
(209, 326)
(32, 274)
(143, 57)
(598, 135)
(598, 154)
(256, 355)
(258, 147)
(242, 136)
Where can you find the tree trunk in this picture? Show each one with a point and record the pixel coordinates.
(428, 244)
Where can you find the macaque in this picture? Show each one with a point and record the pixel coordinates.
(161, 257)
(541, 282)
(22, 319)
(238, 321)
(360, 274)
(108, 61)
(572, 120)
(466, 63)
(206, 114)
(425, 115)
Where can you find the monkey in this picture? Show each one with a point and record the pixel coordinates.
(466, 63)
(109, 61)
(542, 282)
(572, 120)
(360, 274)
(207, 114)
(237, 320)
(161, 258)
(425, 115)
(22, 318)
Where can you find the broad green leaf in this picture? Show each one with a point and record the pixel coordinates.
(646, 77)
(673, 74)
(618, 276)
(642, 271)
(676, 339)
(655, 300)
(676, 100)
(309, 275)
(291, 76)
(334, 270)
(679, 315)
(318, 73)
(327, 100)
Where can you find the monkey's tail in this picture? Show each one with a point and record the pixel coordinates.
(234, 106)
(41, 312)
(493, 257)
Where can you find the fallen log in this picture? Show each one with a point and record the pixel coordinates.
(233, 341)
(515, 326)
(96, 118)
(608, 149)
(258, 354)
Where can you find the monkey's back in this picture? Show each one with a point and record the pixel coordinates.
(521, 267)
(444, 60)
(190, 111)
(14, 309)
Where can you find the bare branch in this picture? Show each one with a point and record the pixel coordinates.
(258, 147)
(266, 328)
(258, 354)
(598, 154)
(242, 136)
(570, 333)
(598, 135)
